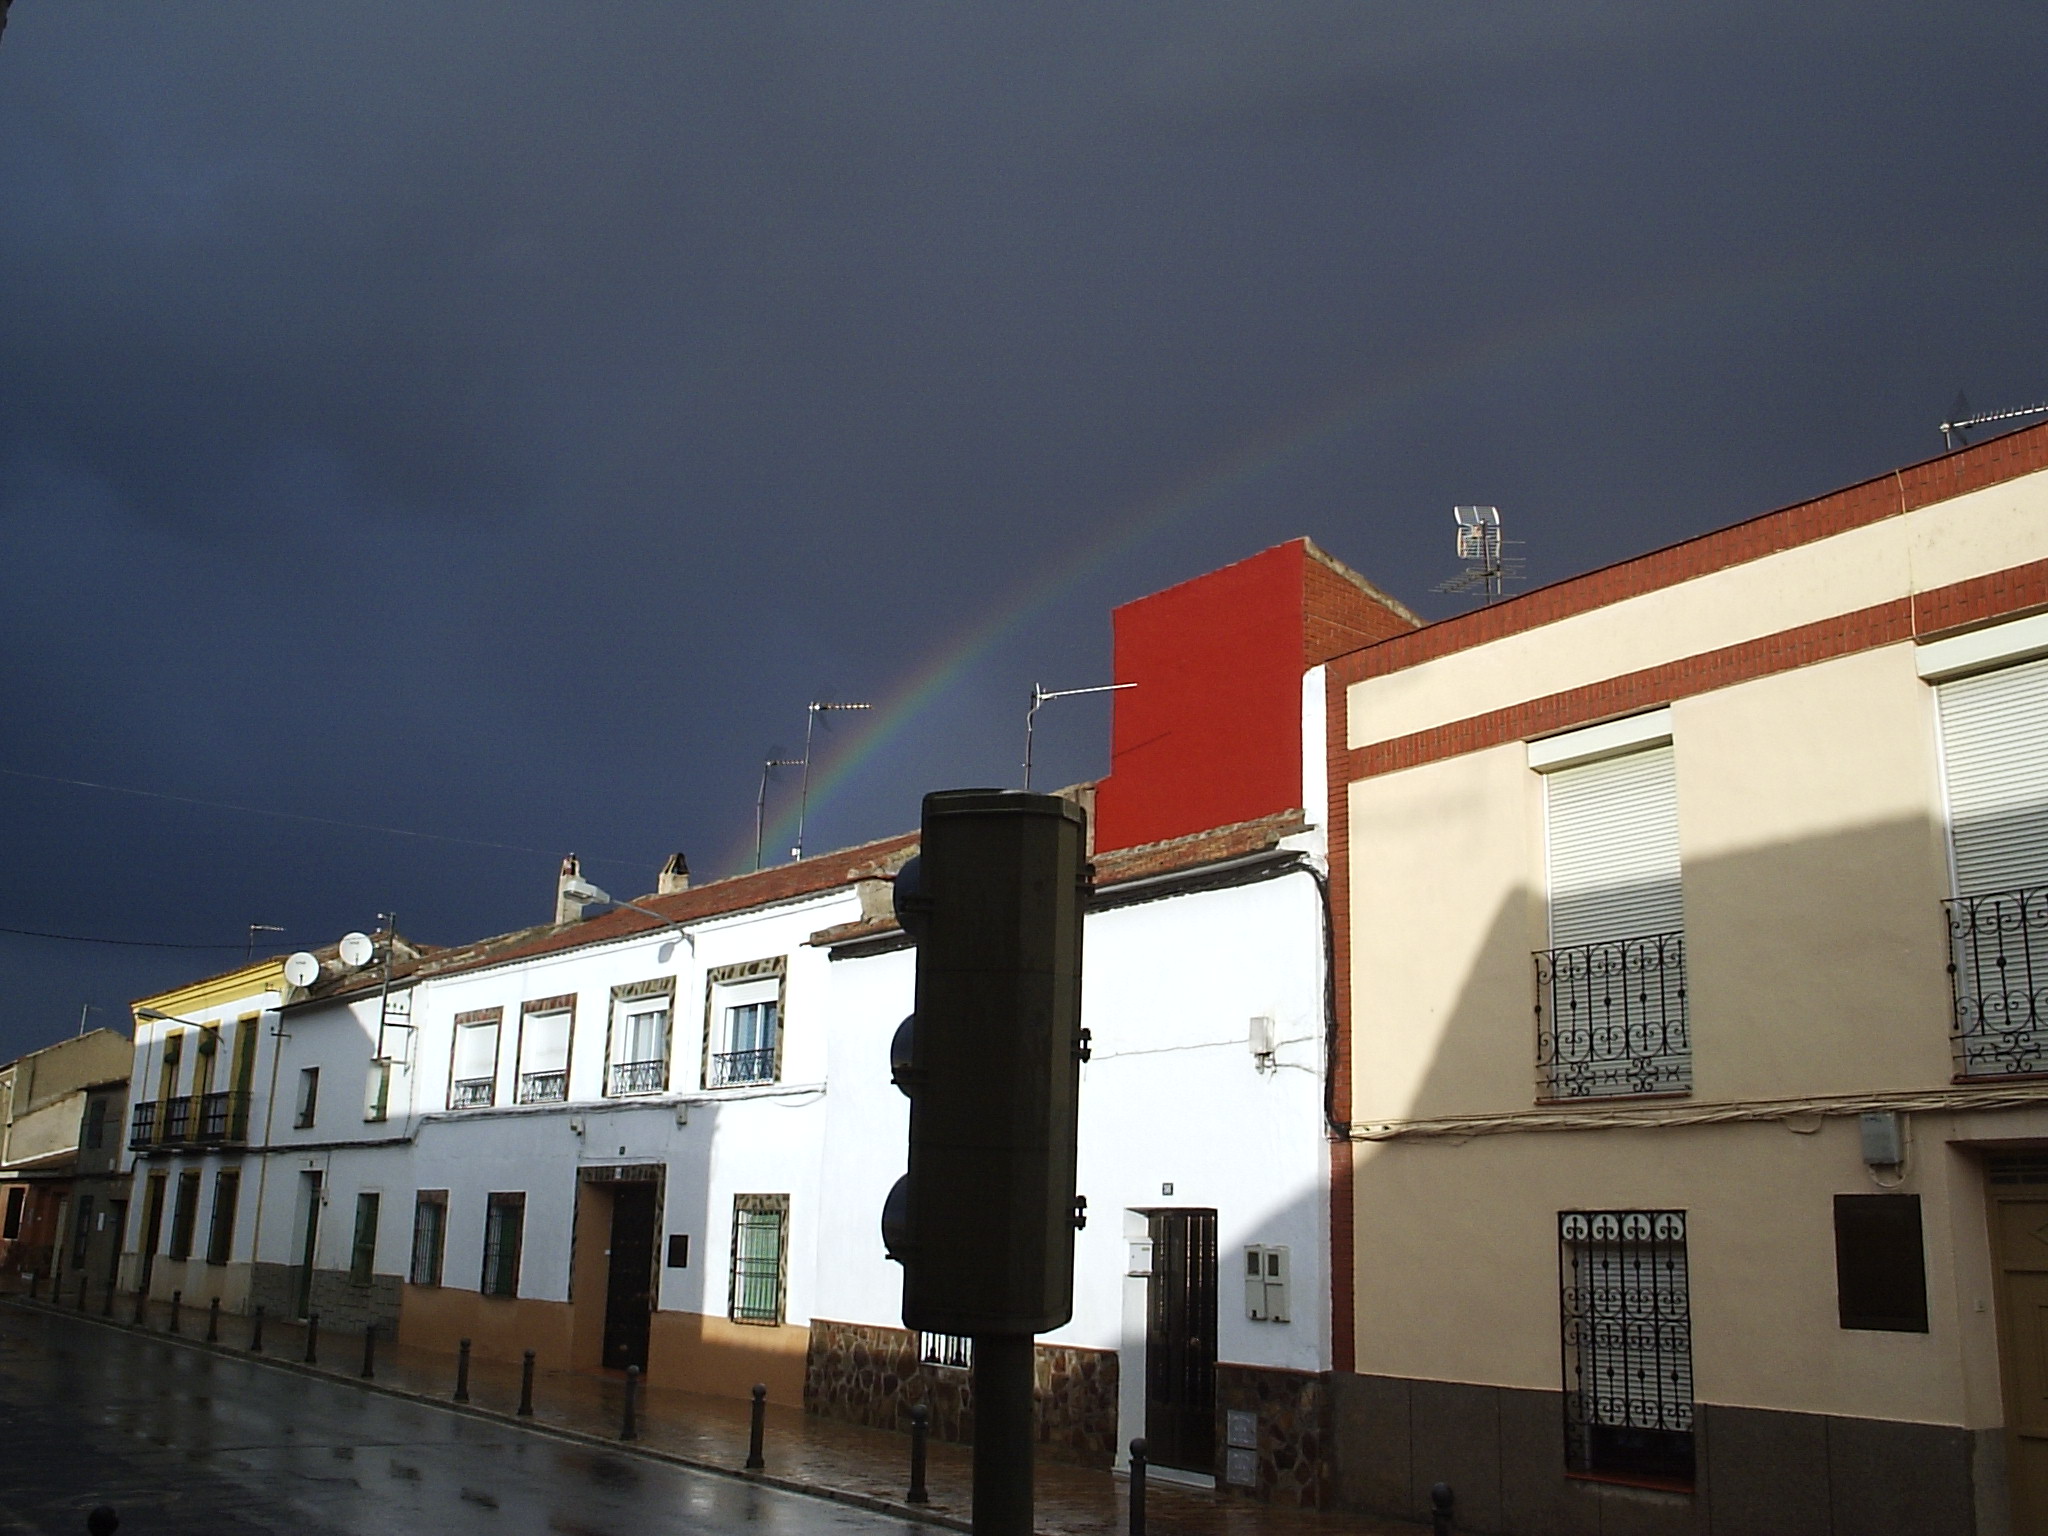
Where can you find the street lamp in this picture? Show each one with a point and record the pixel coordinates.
(581, 891)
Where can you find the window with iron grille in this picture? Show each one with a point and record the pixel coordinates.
(1627, 1324)
(220, 1228)
(185, 1215)
(362, 1259)
(945, 1351)
(473, 1073)
(759, 1257)
(429, 1236)
(743, 1023)
(544, 1035)
(504, 1226)
(638, 1051)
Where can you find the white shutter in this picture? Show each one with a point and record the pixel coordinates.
(544, 1042)
(1613, 849)
(1994, 739)
(476, 1051)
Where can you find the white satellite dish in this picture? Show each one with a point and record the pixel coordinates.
(356, 949)
(302, 969)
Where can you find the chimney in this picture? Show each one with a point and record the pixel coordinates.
(675, 876)
(567, 911)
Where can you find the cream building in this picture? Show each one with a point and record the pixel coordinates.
(1694, 960)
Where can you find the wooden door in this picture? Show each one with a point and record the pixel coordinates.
(629, 1287)
(309, 1190)
(1180, 1342)
(2020, 1235)
(152, 1228)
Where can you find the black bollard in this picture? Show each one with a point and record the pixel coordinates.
(1440, 1501)
(369, 1351)
(107, 1300)
(754, 1460)
(920, 1427)
(1138, 1487)
(526, 1387)
(177, 1310)
(213, 1320)
(102, 1522)
(256, 1334)
(313, 1338)
(462, 1372)
(81, 1293)
(142, 1308)
(629, 1430)
(35, 1286)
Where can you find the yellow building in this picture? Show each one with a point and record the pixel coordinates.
(1693, 954)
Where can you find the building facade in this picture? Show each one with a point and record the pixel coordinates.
(60, 1139)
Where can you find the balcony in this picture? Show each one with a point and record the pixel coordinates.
(211, 1119)
(629, 1077)
(1998, 980)
(729, 1069)
(471, 1093)
(177, 1120)
(543, 1087)
(142, 1127)
(1610, 1019)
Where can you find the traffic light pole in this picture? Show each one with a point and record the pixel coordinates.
(1003, 1434)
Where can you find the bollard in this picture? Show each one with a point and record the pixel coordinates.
(312, 1338)
(177, 1308)
(754, 1460)
(369, 1351)
(1138, 1487)
(102, 1522)
(81, 1293)
(107, 1300)
(213, 1320)
(628, 1430)
(462, 1372)
(1440, 1500)
(142, 1308)
(920, 1426)
(256, 1334)
(526, 1387)
(35, 1286)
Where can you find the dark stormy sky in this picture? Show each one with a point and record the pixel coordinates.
(498, 420)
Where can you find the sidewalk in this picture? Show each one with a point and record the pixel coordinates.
(803, 1452)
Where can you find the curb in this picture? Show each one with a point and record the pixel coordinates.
(867, 1501)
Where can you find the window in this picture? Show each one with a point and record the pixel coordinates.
(17, 1202)
(220, 1232)
(1880, 1263)
(638, 1057)
(362, 1258)
(309, 1096)
(429, 1236)
(81, 1230)
(945, 1351)
(758, 1257)
(1627, 1325)
(475, 1077)
(95, 1123)
(1994, 742)
(185, 1214)
(544, 1029)
(1610, 991)
(743, 1024)
(504, 1224)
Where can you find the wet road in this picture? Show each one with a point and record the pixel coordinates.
(186, 1443)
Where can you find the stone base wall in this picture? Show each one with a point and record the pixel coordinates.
(341, 1304)
(1291, 1412)
(869, 1375)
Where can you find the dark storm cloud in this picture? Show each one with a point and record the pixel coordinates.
(500, 419)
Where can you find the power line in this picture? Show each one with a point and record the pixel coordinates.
(325, 821)
(86, 938)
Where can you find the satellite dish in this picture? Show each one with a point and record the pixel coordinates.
(356, 949)
(302, 969)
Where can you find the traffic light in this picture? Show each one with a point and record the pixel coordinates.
(991, 1060)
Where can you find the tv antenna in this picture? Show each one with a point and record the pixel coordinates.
(1483, 548)
(1042, 695)
(768, 766)
(1962, 420)
(817, 708)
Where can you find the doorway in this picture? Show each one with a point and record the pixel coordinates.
(152, 1228)
(2018, 1188)
(629, 1281)
(1180, 1341)
(117, 1218)
(309, 1243)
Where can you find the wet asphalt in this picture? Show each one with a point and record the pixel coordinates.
(182, 1442)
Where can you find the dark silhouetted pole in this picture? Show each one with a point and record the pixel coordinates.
(35, 1286)
(920, 1427)
(102, 1522)
(107, 1301)
(213, 1320)
(256, 1334)
(313, 1338)
(81, 1293)
(462, 1372)
(526, 1386)
(369, 1351)
(177, 1311)
(629, 1430)
(1440, 1501)
(142, 1308)
(1138, 1449)
(1002, 1434)
(755, 1461)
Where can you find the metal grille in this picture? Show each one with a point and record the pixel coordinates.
(757, 1260)
(637, 1077)
(219, 1115)
(177, 1119)
(947, 1351)
(729, 1068)
(1998, 978)
(143, 1129)
(1611, 1020)
(1627, 1333)
(2020, 1168)
(543, 1087)
(470, 1093)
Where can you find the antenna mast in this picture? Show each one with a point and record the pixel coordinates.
(1482, 547)
(1951, 430)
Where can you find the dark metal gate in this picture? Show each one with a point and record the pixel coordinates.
(1180, 1342)
(629, 1286)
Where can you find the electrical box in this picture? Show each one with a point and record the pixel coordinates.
(679, 1250)
(1884, 1139)
(1266, 1282)
(1263, 1039)
(1141, 1257)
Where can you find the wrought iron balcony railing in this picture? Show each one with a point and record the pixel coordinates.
(1998, 978)
(471, 1092)
(223, 1117)
(1610, 1019)
(142, 1127)
(731, 1068)
(543, 1087)
(177, 1119)
(637, 1077)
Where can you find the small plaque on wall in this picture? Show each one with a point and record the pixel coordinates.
(679, 1250)
(1241, 1467)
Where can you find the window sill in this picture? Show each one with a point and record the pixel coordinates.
(1634, 1480)
(1665, 1095)
(756, 1322)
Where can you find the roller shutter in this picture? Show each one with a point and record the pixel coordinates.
(1613, 849)
(1994, 736)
